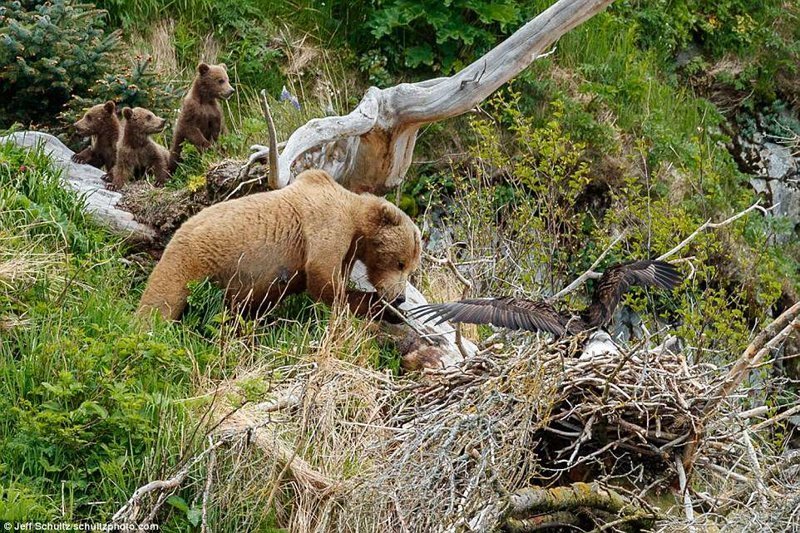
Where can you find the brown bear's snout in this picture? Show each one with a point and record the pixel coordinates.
(227, 94)
(81, 128)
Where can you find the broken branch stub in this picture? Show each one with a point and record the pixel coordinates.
(370, 149)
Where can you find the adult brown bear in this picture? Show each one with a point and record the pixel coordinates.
(304, 237)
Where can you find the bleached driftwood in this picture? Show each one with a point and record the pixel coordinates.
(371, 148)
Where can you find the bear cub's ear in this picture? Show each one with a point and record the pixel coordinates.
(127, 112)
(202, 68)
(110, 107)
(390, 215)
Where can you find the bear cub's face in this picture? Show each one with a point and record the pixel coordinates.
(98, 120)
(143, 120)
(212, 81)
(392, 251)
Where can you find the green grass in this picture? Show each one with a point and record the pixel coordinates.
(91, 403)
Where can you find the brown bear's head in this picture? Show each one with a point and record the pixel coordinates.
(212, 82)
(100, 119)
(143, 120)
(391, 249)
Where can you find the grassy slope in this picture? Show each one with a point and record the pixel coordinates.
(90, 406)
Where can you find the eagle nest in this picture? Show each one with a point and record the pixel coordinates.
(520, 441)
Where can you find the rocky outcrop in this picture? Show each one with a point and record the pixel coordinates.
(775, 171)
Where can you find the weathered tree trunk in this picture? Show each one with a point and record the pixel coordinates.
(371, 148)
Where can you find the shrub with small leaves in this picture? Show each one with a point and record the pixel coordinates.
(49, 51)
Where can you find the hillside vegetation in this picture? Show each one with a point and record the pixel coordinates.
(626, 134)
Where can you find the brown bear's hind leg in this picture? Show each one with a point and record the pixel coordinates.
(166, 290)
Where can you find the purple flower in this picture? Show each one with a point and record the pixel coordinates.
(287, 96)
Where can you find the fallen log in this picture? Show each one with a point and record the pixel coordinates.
(85, 180)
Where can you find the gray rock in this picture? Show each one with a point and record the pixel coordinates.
(779, 160)
(85, 180)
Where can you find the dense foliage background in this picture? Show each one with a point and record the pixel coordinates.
(635, 123)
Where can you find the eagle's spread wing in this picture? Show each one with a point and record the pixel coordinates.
(619, 278)
(507, 312)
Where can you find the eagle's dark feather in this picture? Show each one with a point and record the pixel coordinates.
(532, 315)
(507, 312)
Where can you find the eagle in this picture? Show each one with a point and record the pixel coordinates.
(539, 315)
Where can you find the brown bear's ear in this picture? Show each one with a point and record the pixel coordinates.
(127, 112)
(224, 66)
(110, 107)
(390, 215)
(202, 68)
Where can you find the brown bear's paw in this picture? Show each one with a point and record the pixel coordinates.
(106, 177)
(78, 158)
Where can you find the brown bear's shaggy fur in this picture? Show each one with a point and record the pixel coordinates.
(303, 237)
(136, 151)
(200, 119)
(101, 123)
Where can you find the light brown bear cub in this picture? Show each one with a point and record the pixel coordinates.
(136, 151)
(101, 124)
(302, 237)
(200, 119)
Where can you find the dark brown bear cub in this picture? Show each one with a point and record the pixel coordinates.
(137, 153)
(200, 119)
(101, 124)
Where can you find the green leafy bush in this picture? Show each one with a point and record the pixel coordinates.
(431, 34)
(48, 52)
(756, 44)
(725, 26)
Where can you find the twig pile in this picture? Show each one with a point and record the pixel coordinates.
(501, 441)
(542, 416)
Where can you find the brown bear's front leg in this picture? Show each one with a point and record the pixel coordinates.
(327, 285)
(161, 170)
(196, 137)
(214, 128)
(84, 157)
(167, 289)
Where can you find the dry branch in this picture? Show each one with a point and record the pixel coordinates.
(713, 225)
(591, 274)
(768, 339)
(130, 511)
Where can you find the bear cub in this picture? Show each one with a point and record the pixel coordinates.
(200, 119)
(304, 237)
(101, 124)
(136, 151)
